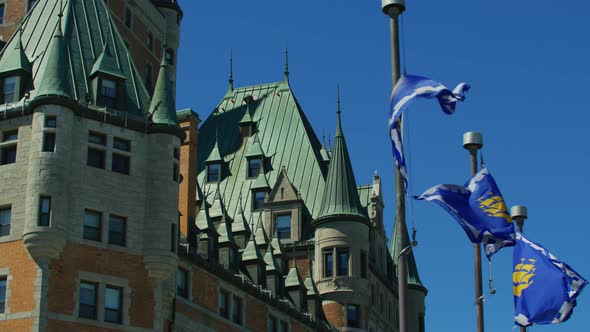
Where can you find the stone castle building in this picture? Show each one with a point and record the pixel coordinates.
(120, 213)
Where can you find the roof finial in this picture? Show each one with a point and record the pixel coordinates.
(338, 127)
(286, 61)
(338, 92)
(231, 69)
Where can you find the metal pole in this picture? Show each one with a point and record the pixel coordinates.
(393, 8)
(519, 213)
(473, 142)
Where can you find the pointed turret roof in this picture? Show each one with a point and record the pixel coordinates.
(269, 259)
(217, 208)
(293, 277)
(163, 105)
(15, 58)
(341, 195)
(203, 220)
(255, 149)
(215, 155)
(312, 289)
(260, 182)
(413, 276)
(240, 223)
(106, 64)
(54, 81)
(225, 232)
(247, 118)
(260, 232)
(251, 251)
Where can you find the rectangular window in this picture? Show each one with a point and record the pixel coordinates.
(272, 324)
(149, 43)
(173, 237)
(113, 301)
(259, 197)
(121, 144)
(353, 315)
(342, 262)
(87, 300)
(9, 87)
(92, 225)
(50, 121)
(237, 310)
(328, 263)
(8, 155)
(97, 138)
(128, 17)
(3, 281)
(363, 265)
(10, 136)
(44, 210)
(253, 167)
(1, 13)
(5, 217)
(284, 226)
(149, 78)
(223, 303)
(96, 158)
(117, 230)
(121, 164)
(182, 283)
(283, 326)
(213, 172)
(48, 142)
(109, 93)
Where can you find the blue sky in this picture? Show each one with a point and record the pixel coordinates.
(528, 65)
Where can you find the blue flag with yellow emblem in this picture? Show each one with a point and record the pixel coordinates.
(545, 289)
(479, 208)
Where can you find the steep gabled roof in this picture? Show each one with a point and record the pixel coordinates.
(16, 58)
(285, 136)
(84, 31)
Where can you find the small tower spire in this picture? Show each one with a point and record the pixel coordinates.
(338, 112)
(231, 70)
(286, 63)
(163, 106)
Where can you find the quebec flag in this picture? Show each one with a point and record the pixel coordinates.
(479, 208)
(406, 90)
(545, 289)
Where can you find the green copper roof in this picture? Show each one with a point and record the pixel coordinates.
(217, 209)
(269, 259)
(413, 276)
(214, 155)
(255, 149)
(203, 220)
(64, 55)
(251, 251)
(225, 232)
(293, 277)
(312, 289)
(15, 57)
(163, 105)
(240, 223)
(285, 136)
(341, 196)
(54, 82)
(260, 232)
(260, 182)
(247, 118)
(106, 64)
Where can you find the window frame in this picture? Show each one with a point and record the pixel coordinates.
(3, 293)
(49, 139)
(98, 229)
(93, 307)
(3, 210)
(353, 323)
(237, 303)
(121, 163)
(118, 311)
(328, 262)
(339, 266)
(281, 234)
(182, 290)
(223, 311)
(123, 220)
(42, 214)
(254, 172)
(210, 173)
(364, 267)
(109, 94)
(258, 205)
(14, 92)
(121, 144)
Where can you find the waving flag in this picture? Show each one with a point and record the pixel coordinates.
(407, 89)
(479, 208)
(545, 289)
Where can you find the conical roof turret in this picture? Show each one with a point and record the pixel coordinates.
(163, 106)
(255, 149)
(293, 277)
(215, 155)
(240, 223)
(203, 220)
(226, 234)
(413, 276)
(106, 64)
(340, 194)
(269, 259)
(54, 82)
(251, 251)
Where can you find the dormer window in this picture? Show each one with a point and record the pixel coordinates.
(254, 166)
(213, 172)
(9, 91)
(283, 224)
(109, 93)
(258, 200)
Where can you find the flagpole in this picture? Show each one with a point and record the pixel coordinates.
(393, 9)
(473, 141)
(519, 213)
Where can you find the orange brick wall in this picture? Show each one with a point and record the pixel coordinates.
(14, 11)
(61, 326)
(334, 313)
(188, 170)
(22, 285)
(302, 266)
(77, 257)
